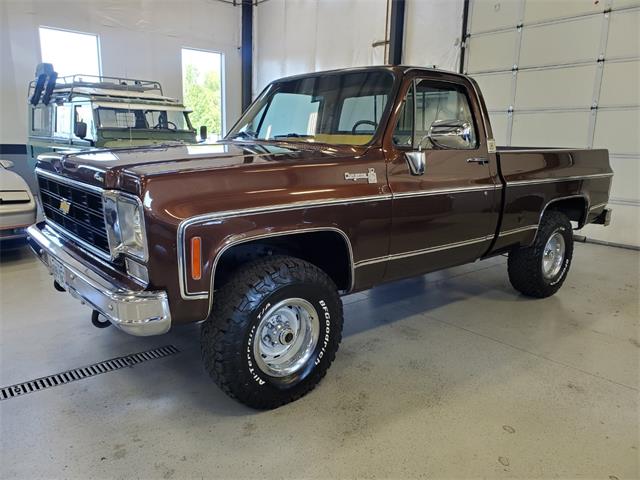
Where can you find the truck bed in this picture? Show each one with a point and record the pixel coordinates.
(534, 179)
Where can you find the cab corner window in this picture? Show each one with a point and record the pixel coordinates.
(437, 107)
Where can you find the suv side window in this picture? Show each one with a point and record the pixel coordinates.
(62, 117)
(433, 102)
(84, 113)
(41, 120)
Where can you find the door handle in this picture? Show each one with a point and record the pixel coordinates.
(478, 160)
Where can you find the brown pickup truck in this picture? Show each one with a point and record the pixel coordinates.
(330, 183)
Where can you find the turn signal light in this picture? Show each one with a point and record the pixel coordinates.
(196, 258)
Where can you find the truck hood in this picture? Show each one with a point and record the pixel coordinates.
(128, 168)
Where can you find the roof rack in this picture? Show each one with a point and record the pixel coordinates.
(47, 82)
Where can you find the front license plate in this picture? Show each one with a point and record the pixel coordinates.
(58, 271)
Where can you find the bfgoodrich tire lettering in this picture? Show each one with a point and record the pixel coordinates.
(229, 338)
(526, 266)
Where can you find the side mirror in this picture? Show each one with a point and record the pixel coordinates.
(203, 133)
(80, 130)
(6, 164)
(452, 134)
(416, 161)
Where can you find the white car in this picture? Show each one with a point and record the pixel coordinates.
(17, 205)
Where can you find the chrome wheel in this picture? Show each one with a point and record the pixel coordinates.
(553, 256)
(286, 337)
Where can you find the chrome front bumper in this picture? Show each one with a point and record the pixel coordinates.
(139, 313)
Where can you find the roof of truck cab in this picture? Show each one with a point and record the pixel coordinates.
(402, 69)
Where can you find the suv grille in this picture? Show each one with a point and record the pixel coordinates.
(77, 210)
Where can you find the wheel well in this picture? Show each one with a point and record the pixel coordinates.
(328, 250)
(574, 208)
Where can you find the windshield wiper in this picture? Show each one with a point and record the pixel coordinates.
(244, 134)
(292, 135)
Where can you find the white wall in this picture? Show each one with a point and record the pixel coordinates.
(432, 33)
(298, 36)
(138, 38)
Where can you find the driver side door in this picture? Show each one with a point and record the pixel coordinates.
(447, 214)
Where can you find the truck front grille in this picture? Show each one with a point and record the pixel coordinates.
(77, 210)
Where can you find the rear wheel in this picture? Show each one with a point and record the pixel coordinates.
(540, 269)
(274, 331)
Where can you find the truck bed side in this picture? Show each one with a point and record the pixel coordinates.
(535, 180)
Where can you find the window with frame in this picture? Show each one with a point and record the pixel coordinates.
(71, 53)
(426, 103)
(84, 113)
(41, 120)
(62, 126)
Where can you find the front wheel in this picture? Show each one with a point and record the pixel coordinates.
(274, 331)
(540, 269)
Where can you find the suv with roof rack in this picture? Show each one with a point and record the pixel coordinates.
(79, 112)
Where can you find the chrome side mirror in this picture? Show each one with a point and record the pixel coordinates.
(416, 161)
(452, 134)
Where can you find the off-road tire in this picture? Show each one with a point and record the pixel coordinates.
(525, 263)
(227, 336)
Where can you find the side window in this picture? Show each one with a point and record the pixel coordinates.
(361, 114)
(62, 124)
(84, 113)
(433, 102)
(41, 120)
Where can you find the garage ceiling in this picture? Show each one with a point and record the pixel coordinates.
(565, 73)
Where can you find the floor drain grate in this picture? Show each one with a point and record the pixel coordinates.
(85, 372)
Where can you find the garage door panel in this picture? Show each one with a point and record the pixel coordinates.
(550, 129)
(625, 179)
(624, 31)
(620, 84)
(492, 52)
(624, 228)
(618, 130)
(556, 88)
(617, 4)
(561, 43)
(540, 10)
(496, 89)
(489, 15)
(499, 122)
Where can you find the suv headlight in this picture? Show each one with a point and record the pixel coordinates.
(124, 219)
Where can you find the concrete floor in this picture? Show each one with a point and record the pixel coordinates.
(448, 375)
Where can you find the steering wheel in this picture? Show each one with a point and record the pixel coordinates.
(170, 126)
(362, 122)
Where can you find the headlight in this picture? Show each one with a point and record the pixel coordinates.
(124, 219)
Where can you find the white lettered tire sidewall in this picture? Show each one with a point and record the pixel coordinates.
(324, 305)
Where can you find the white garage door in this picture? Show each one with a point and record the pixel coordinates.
(566, 73)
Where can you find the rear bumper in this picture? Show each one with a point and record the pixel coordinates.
(140, 313)
(603, 218)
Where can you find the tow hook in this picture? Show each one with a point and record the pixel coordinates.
(95, 319)
(58, 287)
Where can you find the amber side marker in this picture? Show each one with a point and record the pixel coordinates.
(196, 258)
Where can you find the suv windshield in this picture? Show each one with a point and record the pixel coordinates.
(142, 119)
(343, 108)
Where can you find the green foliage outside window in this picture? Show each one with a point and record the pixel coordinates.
(203, 95)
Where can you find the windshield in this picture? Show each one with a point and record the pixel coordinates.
(341, 108)
(142, 119)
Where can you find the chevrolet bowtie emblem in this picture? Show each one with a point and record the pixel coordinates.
(65, 206)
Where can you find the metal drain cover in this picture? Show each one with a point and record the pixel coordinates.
(106, 366)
